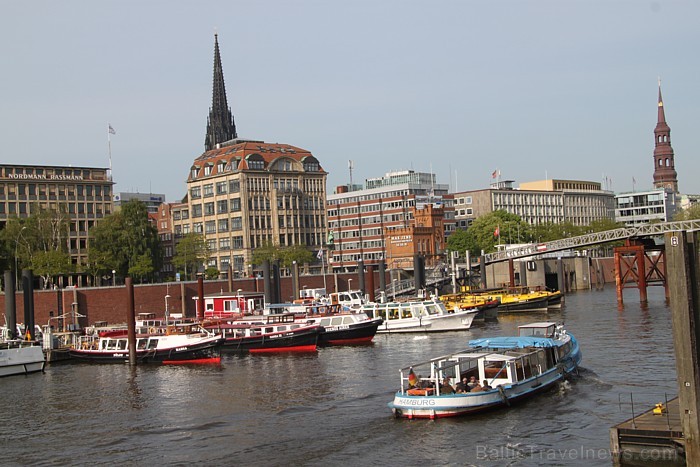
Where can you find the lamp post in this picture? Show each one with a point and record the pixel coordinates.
(114, 278)
(16, 259)
(167, 314)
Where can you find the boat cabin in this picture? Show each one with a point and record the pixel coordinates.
(404, 310)
(227, 304)
(545, 329)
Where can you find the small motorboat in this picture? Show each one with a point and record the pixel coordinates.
(507, 369)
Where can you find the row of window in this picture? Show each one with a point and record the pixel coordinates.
(53, 189)
(88, 209)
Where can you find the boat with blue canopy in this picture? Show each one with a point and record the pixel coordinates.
(492, 372)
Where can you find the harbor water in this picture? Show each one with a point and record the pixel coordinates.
(330, 408)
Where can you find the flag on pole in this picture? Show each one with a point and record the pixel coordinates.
(319, 255)
(111, 130)
(497, 232)
(412, 379)
(494, 174)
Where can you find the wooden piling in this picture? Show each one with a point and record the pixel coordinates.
(683, 257)
(130, 320)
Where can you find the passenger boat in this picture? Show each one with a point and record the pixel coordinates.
(418, 315)
(181, 343)
(512, 368)
(279, 333)
(18, 357)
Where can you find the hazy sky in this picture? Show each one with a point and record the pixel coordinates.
(535, 89)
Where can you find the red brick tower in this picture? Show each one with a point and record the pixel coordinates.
(665, 175)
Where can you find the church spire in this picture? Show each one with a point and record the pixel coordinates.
(220, 125)
(665, 175)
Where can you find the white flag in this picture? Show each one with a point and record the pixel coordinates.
(111, 130)
(319, 255)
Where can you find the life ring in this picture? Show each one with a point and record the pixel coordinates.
(151, 330)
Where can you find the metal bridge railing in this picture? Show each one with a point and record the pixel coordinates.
(590, 239)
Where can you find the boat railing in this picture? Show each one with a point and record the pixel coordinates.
(639, 403)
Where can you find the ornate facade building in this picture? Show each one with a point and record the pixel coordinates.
(243, 194)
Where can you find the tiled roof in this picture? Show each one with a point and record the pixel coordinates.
(240, 152)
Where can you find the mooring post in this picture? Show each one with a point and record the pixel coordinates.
(642, 274)
(200, 294)
(511, 272)
(130, 320)
(618, 277)
(683, 257)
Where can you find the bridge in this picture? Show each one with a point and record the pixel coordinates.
(606, 236)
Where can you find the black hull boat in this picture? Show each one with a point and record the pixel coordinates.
(175, 346)
(347, 329)
(268, 338)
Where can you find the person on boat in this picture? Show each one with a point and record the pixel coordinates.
(462, 387)
(485, 386)
(446, 387)
(477, 388)
(472, 383)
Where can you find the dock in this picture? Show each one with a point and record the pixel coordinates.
(653, 437)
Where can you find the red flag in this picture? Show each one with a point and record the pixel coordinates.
(497, 232)
(494, 174)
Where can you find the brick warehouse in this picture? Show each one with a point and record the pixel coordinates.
(109, 303)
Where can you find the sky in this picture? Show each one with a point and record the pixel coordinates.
(533, 89)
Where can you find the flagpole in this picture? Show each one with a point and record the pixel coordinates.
(109, 149)
(323, 270)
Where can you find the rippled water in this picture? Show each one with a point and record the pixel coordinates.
(331, 408)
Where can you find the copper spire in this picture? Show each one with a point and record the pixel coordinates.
(220, 125)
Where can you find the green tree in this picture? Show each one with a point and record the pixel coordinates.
(39, 242)
(126, 242)
(498, 227)
(463, 240)
(268, 251)
(688, 214)
(190, 253)
(298, 253)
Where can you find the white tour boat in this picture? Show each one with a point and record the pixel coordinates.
(507, 368)
(419, 315)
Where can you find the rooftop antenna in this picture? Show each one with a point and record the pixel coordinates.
(350, 167)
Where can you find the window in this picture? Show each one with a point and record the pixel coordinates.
(209, 190)
(222, 206)
(193, 172)
(208, 209)
(196, 192)
(223, 225)
(221, 188)
(208, 169)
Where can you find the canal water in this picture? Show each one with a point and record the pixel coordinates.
(330, 408)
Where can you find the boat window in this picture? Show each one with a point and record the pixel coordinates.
(111, 344)
(122, 344)
(325, 322)
(152, 343)
(103, 345)
(141, 343)
(347, 320)
(406, 311)
(431, 308)
(393, 313)
(337, 321)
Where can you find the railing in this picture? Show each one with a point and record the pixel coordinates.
(590, 239)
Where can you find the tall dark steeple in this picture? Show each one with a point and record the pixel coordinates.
(220, 126)
(665, 175)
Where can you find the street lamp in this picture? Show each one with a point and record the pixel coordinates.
(114, 278)
(16, 260)
(167, 314)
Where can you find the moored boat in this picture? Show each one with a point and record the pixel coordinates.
(338, 326)
(279, 333)
(19, 357)
(510, 369)
(485, 306)
(182, 343)
(419, 315)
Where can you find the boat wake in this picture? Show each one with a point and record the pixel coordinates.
(419, 338)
